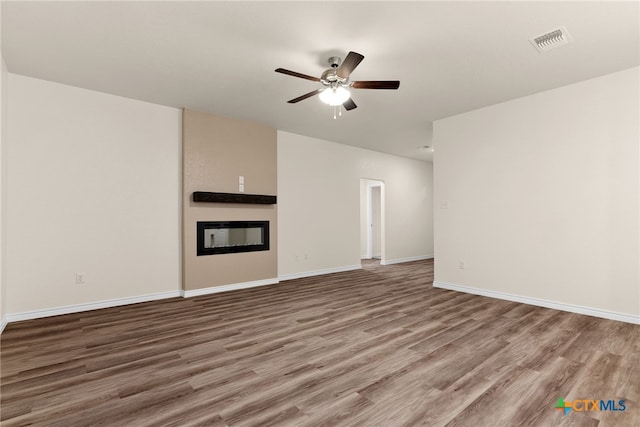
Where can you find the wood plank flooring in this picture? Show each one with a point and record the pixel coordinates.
(375, 347)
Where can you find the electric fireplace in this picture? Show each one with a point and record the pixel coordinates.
(223, 237)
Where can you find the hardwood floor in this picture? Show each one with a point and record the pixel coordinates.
(376, 347)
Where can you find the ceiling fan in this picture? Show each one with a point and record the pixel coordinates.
(335, 82)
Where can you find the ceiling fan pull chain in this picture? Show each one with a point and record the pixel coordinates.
(337, 111)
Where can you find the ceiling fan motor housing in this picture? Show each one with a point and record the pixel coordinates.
(330, 77)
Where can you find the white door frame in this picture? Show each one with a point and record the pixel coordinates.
(369, 204)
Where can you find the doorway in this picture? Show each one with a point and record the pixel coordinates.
(372, 219)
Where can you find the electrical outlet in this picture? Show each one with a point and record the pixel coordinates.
(461, 265)
(241, 188)
(79, 278)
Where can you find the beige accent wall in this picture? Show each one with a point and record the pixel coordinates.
(216, 152)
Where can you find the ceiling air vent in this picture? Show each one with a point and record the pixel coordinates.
(551, 40)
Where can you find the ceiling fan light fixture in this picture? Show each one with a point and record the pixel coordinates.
(334, 95)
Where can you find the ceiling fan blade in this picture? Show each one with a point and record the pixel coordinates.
(295, 74)
(349, 64)
(349, 104)
(305, 96)
(376, 84)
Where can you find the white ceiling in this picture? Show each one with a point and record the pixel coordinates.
(220, 57)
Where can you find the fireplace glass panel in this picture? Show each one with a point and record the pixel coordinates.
(221, 237)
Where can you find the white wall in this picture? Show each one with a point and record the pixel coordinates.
(93, 186)
(543, 196)
(3, 138)
(319, 204)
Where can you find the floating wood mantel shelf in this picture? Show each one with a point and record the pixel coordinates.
(257, 199)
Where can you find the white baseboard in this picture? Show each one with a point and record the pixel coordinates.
(231, 287)
(611, 315)
(409, 259)
(320, 272)
(36, 314)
